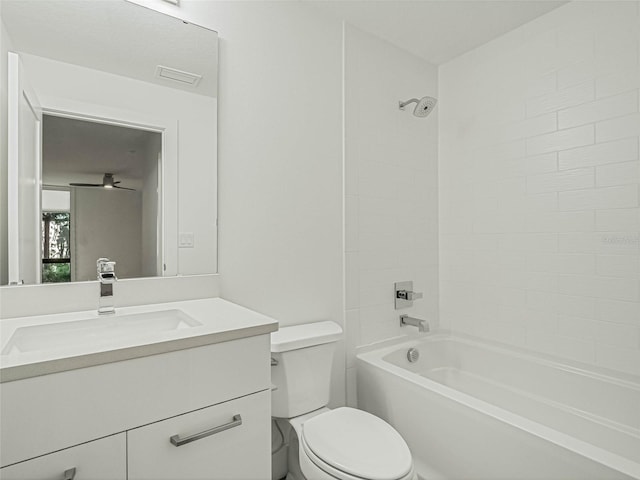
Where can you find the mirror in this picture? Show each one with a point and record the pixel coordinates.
(111, 112)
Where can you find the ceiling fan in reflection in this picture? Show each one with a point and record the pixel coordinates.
(107, 182)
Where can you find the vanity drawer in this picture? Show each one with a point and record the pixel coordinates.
(228, 441)
(43, 414)
(98, 460)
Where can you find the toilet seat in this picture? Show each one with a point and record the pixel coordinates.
(351, 444)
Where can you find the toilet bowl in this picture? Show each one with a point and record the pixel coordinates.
(349, 444)
(324, 444)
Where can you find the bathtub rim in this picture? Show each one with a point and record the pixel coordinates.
(375, 358)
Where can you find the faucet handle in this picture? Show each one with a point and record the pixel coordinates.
(104, 265)
(408, 295)
(404, 294)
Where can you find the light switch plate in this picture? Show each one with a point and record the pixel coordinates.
(186, 240)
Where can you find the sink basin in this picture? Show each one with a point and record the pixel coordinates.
(95, 331)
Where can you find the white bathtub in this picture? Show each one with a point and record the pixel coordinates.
(473, 410)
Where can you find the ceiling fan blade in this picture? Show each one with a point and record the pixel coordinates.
(86, 184)
(124, 188)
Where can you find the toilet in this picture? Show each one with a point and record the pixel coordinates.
(324, 444)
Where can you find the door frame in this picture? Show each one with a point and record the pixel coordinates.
(168, 171)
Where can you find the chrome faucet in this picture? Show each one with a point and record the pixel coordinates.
(422, 325)
(106, 277)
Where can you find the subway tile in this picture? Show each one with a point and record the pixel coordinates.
(575, 73)
(576, 327)
(621, 127)
(352, 280)
(377, 259)
(577, 243)
(564, 98)
(602, 109)
(540, 301)
(600, 154)
(542, 85)
(351, 387)
(351, 223)
(599, 198)
(561, 181)
(576, 306)
(561, 140)
(545, 163)
(618, 243)
(573, 348)
(578, 221)
(375, 241)
(618, 174)
(377, 295)
(600, 287)
(352, 334)
(529, 242)
(616, 49)
(619, 265)
(541, 281)
(541, 202)
(367, 205)
(578, 264)
(609, 310)
(622, 359)
(618, 82)
(618, 220)
(532, 127)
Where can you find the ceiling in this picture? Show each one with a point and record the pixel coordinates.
(80, 151)
(111, 36)
(437, 30)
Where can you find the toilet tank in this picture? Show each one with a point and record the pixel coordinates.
(301, 372)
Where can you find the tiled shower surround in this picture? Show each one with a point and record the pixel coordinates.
(539, 186)
(391, 191)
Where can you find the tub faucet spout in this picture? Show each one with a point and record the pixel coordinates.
(422, 325)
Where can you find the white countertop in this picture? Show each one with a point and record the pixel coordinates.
(219, 321)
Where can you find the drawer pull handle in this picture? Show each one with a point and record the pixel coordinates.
(177, 441)
(70, 474)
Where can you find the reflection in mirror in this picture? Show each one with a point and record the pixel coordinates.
(105, 216)
(117, 131)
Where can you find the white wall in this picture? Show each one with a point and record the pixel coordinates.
(391, 191)
(280, 160)
(539, 217)
(151, 233)
(5, 47)
(106, 223)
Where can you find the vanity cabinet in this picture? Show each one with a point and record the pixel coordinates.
(115, 420)
(224, 441)
(97, 460)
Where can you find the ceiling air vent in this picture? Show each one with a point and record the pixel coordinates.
(174, 75)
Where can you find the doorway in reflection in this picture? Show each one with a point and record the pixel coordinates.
(101, 198)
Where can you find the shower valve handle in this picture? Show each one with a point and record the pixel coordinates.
(408, 295)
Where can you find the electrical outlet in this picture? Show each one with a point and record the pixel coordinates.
(185, 240)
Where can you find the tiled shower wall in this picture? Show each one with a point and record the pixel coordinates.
(391, 191)
(539, 186)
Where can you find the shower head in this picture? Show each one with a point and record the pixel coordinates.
(423, 105)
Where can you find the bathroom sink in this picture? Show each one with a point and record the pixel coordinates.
(96, 331)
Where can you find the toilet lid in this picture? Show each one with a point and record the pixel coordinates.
(358, 443)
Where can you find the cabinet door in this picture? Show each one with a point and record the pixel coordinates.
(228, 441)
(98, 460)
